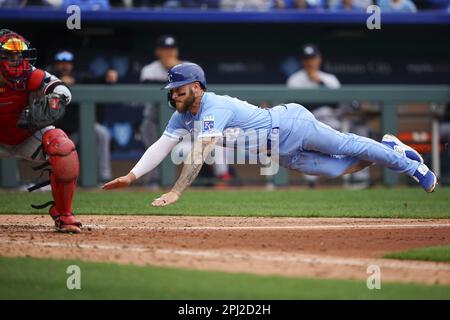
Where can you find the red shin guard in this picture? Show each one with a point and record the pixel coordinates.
(65, 168)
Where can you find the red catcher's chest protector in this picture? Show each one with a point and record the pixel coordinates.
(12, 102)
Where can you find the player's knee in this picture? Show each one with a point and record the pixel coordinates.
(62, 155)
(56, 142)
(324, 171)
(333, 174)
(330, 170)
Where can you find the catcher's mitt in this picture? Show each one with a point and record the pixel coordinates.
(43, 111)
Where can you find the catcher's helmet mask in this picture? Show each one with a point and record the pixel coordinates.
(17, 58)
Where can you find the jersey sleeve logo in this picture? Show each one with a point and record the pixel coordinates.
(54, 103)
(208, 123)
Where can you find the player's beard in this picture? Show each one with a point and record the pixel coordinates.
(188, 103)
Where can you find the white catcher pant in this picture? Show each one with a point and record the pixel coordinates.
(26, 149)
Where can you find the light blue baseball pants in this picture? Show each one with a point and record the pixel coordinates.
(308, 145)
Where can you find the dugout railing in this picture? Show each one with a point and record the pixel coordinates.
(387, 96)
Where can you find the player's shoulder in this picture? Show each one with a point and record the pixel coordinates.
(212, 100)
(36, 79)
(176, 115)
(36, 72)
(154, 70)
(179, 117)
(410, 5)
(298, 73)
(328, 76)
(210, 103)
(153, 65)
(223, 105)
(296, 78)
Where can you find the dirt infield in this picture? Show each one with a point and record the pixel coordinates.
(313, 247)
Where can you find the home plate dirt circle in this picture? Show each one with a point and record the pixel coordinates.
(340, 248)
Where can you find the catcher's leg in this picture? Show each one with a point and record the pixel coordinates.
(64, 164)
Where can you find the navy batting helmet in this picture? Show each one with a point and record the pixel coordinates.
(185, 73)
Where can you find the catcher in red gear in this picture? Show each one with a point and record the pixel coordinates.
(31, 100)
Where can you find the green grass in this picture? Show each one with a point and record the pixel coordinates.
(440, 254)
(27, 278)
(395, 202)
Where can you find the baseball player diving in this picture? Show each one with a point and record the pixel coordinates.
(304, 143)
(31, 101)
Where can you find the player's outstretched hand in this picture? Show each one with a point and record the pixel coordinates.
(120, 182)
(166, 199)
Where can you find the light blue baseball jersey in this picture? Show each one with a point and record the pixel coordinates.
(218, 113)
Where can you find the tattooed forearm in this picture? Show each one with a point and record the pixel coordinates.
(188, 175)
(191, 170)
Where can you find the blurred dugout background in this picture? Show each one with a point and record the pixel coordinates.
(248, 42)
